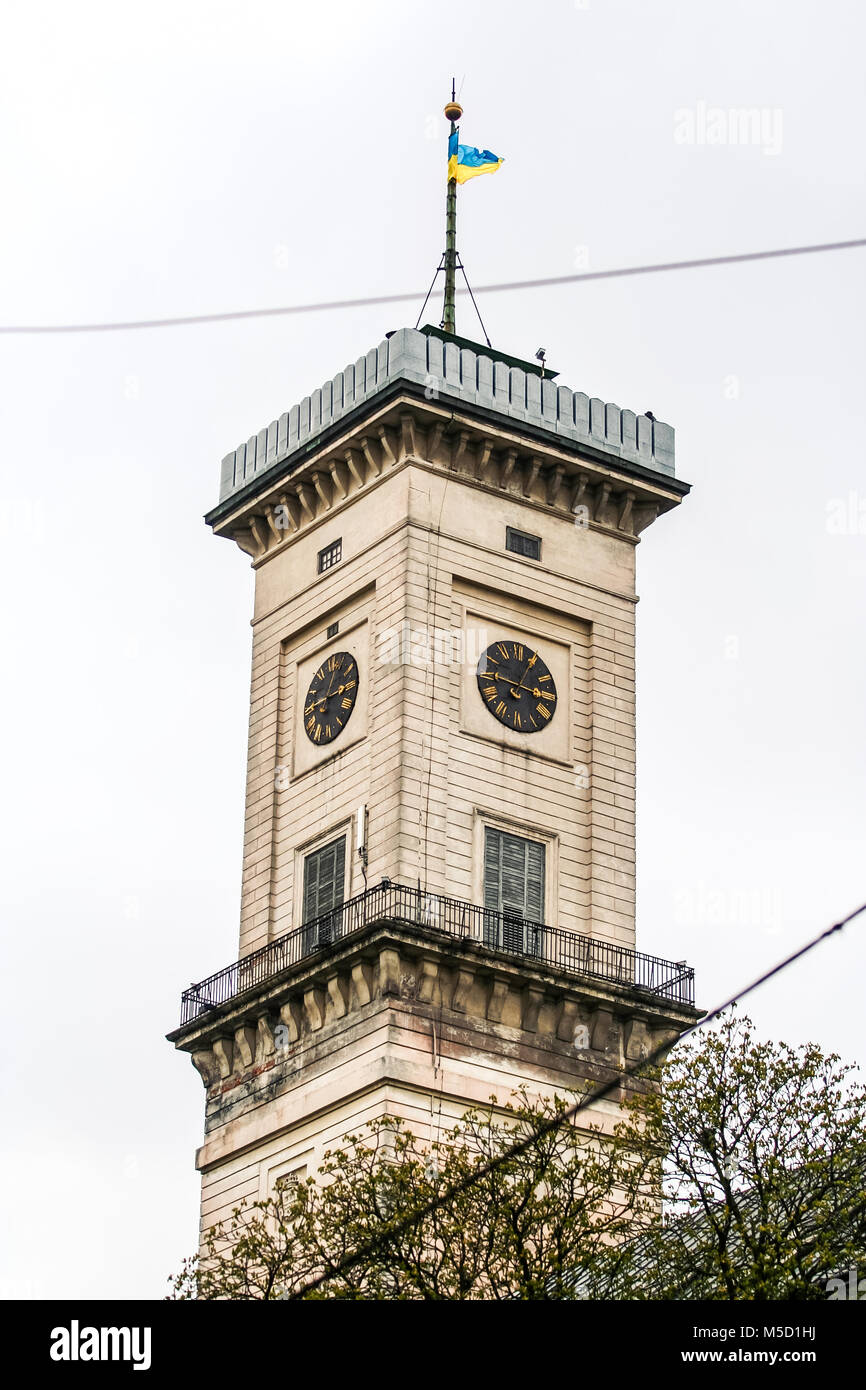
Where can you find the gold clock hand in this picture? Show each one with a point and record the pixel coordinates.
(326, 697)
(530, 663)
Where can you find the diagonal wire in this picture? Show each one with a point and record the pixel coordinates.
(439, 267)
(461, 267)
(321, 306)
(412, 1218)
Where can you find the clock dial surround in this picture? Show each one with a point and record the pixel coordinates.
(517, 686)
(331, 698)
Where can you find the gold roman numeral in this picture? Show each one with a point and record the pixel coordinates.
(347, 703)
(543, 711)
(501, 708)
(501, 647)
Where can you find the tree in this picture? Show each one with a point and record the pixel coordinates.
(521, 1230)
(762, 1152)
(739, 1172)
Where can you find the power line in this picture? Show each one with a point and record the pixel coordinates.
(549, 1126)
(322, 306)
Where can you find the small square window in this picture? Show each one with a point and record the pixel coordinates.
(330, 556)
(333, 629)
(521, 543)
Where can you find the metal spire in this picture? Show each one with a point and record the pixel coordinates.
(453, 112)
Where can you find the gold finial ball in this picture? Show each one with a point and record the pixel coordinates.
(453, 111)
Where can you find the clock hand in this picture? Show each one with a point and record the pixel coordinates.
(531, 662)
(518, 685)
(326, 697)
(498, 676)
(534, 690)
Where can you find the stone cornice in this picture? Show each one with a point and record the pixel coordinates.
(469, 985)
(479, 449)
(464, 374)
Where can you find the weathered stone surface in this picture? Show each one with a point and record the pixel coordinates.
(245, 1046)
(314, 1008)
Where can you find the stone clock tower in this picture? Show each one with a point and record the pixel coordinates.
(438, 878)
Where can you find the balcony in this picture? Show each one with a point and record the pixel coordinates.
(501, 933)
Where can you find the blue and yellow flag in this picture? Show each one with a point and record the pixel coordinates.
(466, 162)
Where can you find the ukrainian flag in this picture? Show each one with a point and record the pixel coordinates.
(466, 162)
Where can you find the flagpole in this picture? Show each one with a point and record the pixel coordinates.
(453, 112)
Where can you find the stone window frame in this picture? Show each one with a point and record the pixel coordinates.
(344, 827)
(527, 830)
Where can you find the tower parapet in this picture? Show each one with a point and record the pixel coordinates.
(451, 369)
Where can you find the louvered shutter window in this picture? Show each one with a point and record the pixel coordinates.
(513, 886)
(324, 886)
(534, 881)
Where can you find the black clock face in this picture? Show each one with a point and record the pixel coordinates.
(517, 687)
(331, 697)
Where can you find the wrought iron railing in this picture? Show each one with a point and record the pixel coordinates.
(504, 932)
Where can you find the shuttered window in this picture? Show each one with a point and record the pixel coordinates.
(513, 886)
(324, 887)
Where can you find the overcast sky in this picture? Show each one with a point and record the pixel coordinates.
(185, 158)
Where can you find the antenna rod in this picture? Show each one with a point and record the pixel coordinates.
(453, 112)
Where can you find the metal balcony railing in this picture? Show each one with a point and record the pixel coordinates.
(503, 932)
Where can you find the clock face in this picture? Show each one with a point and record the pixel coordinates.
(331, 698)
(517, 687)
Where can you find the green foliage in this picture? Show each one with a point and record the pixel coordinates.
(741, 1174)
(521, 1230)
(763, 1150)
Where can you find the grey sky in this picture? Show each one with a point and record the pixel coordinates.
(183, 158)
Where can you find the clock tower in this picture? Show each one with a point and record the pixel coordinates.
(439, 862)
